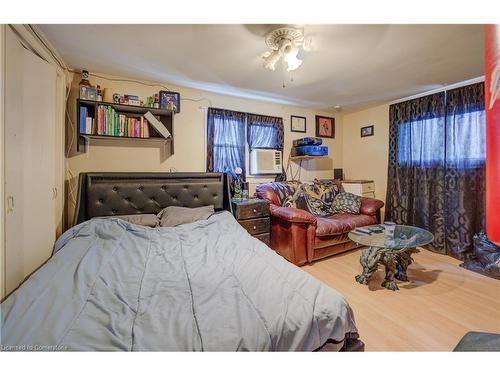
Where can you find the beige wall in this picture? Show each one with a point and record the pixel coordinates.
(189, 136)
(366, 158)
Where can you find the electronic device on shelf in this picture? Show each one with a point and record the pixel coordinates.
(307, 141)
(309, 151)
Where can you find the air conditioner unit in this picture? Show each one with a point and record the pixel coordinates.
(265, 161)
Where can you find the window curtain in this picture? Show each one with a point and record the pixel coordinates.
(465, 182)
(265, 132)
(436, 167)
(225, 141)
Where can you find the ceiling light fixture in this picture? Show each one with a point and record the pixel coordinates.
(284, 42)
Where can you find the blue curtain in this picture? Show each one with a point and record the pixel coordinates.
(265, 132)
(437, 150)
(225, 141)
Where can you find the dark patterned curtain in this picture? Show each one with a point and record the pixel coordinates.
(465, 182)
(225, 141)
(436, 167)
(265, 132)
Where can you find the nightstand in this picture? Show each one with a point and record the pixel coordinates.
(363, 188)
(253, 215)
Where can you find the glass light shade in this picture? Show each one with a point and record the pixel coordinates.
(291, 58)
(271, 60)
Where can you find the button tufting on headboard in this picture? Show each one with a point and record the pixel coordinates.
(106, 194)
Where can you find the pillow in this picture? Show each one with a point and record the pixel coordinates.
(346, 203)
(314, 197)
(174, 215)
(148, 220)
(285, 189)
(332, 187)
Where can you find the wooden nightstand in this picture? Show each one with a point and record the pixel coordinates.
(253, 215)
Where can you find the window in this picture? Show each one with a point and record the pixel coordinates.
(226, 141)
(420, 143)
(456, 139)
(265, 132)
(466, 139)
(229, 133)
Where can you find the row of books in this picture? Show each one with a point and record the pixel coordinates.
(111, 123)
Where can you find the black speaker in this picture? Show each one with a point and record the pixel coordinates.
(338, 173)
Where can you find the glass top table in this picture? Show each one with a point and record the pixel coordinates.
(391, 248)
(405, 236)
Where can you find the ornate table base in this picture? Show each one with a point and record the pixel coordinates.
(396, 262)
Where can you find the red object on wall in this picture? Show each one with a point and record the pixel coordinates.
(492, 105)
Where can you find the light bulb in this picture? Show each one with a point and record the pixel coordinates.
(293, 63)
(291, 57)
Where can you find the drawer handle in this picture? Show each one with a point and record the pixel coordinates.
(254, 210)
(254, 227)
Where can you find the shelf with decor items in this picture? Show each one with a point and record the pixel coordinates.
(97, 120)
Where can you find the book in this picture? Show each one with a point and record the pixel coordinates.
(83, 119)
(88, 125)
(158, 125)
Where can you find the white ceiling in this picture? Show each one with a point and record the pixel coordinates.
(349, 65)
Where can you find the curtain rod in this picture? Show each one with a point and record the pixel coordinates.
(245, 113)
(444, 88)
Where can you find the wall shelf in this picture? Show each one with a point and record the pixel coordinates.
(305, 157)
(166, 117)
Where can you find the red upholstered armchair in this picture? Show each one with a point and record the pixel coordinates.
(301, 237)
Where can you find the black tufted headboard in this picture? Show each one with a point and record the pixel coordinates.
(111, 193)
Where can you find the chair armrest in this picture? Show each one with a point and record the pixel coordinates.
(370, 206)
(291, 214)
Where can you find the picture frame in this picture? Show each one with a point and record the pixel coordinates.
(170, 100)
(325, 127)
(367, 131)
(298, 124)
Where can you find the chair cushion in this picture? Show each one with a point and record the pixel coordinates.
(346, 202)
(342, 223)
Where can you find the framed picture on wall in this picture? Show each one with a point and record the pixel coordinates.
(367, 131)
(325, 127)
(170, 100)
(297, 124)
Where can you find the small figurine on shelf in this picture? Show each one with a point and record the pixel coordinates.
(149, 101)
(99, 93)
(85, 79)
(86, 90)
(156, 101)
(116, 98)
(237, 184)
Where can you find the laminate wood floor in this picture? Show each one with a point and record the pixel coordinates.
(431, 312)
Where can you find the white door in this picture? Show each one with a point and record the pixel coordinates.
(30, 118)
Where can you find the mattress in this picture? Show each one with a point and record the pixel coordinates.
(205, 286)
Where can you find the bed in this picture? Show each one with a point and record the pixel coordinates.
(204, 286)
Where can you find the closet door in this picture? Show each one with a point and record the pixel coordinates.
(39, 106)
(29, 161)
(14, 161)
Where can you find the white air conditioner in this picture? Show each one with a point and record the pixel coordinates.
(265, 162)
